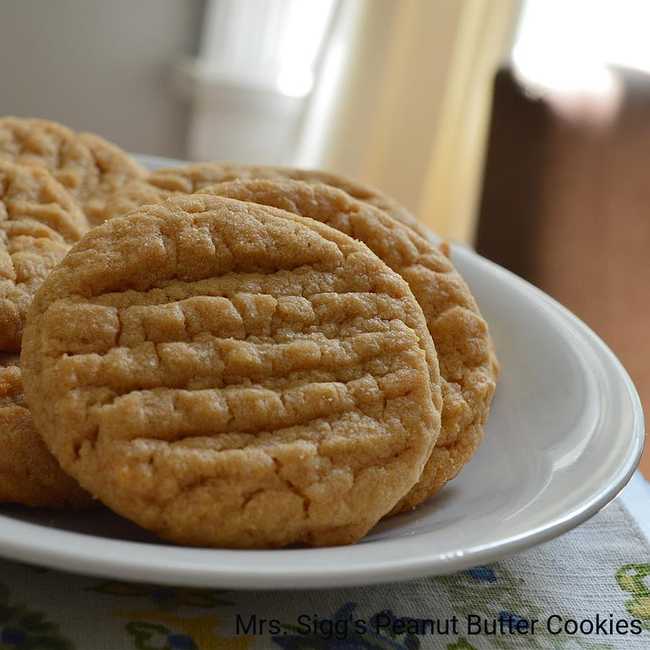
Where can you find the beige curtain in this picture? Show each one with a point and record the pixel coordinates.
(403, 101)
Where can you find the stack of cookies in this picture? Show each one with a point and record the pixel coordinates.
(227, 355)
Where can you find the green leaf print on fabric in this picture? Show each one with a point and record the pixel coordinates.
(165, 618)
(461, 644)
(24, 629)
(148, 636)
(167, 598)
(163, 631)
(494, 592)
(633, 579)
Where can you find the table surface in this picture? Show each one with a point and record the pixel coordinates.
(597, 572)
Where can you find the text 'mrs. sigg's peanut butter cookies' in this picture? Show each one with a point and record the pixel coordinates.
(39, 220)
(229, 374)
(29, 474)
(459, 332)
(88, 166)
(189, 179)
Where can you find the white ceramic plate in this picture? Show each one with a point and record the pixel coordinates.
(564, 436)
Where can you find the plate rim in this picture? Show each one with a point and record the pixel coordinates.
(218, 570)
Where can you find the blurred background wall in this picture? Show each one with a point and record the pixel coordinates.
(394, 93)
(100, 66)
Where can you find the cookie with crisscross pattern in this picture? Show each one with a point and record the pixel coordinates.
(460, 334)
(189, 179)
(89, 167)
(29, 474)
(39, 220)
(229, 374)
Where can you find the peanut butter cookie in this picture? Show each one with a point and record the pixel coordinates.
(29, 474)
(465, 353)
(39, 220)
(91, 168)
(229, 374)
(47, 144)
(193, 178)
(115, 168)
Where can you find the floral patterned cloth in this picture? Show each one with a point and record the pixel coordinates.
(588, 589)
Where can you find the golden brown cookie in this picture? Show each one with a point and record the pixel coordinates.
(91, 168)
(47, 144)
(29, 474)
(228, 374)
(115, 169)
(459, 332)
(193, 178)
(39, 220)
